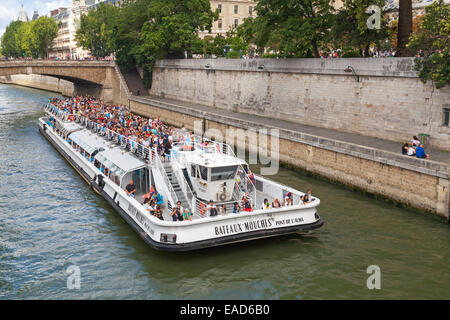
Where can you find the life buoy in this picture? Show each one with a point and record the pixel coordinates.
(202, 208)
(71, 117)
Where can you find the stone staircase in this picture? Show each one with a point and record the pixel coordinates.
(134, 82)
(176, 186)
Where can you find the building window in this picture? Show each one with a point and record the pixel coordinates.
(219, 24)
(219, 7)
(250, 10)
(236, 9)
(236, 23)
(446, 117)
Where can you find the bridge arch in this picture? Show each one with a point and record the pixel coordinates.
(97, 78)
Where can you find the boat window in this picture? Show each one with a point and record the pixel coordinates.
(193, 171)
(223, 173)
(203, 172)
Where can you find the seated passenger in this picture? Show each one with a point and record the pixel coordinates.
(304, 199)
(276, 203)
(187, 215)
(130, 189)
(224, 209)
(246, 204)
(176, 214)
(236, 208)
(287, 201)
(150, 207)
(212, 209)
(158, 213)
(266, 205)
(308, 196)
(159, 199)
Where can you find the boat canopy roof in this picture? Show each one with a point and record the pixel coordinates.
(68, 127)
(118, 161)
(212, 160)
(88, 141)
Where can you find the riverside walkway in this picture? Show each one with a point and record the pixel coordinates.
(366, 141)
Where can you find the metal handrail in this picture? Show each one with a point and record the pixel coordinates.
(158, 165)
(142, 151)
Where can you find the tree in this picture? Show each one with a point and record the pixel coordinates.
(404, 28)
(294, 28)
(29, 39)
(350, 30)
(96, 30)
(431, 43)
(43, 31)
(10, 45)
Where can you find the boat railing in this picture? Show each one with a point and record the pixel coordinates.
(157, 163)
(131, 145)
(244, 187)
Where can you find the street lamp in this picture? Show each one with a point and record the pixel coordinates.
(352, 70)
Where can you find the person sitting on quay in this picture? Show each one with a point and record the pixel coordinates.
(130, 189)
(411, 151)
(405, 148)
(420, 152)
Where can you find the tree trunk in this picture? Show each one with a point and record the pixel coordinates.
(404, 28)
(315, 49)
(366, 50)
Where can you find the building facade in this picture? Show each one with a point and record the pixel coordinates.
(231, 14)
(68, 20)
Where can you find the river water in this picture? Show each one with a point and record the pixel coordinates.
(51, 220)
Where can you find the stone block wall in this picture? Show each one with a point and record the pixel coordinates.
(389, 175)
(388, 102)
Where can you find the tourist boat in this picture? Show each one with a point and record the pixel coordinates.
(194, 174)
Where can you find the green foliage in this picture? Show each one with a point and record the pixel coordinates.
(10, 45)
(350, 29)
(209, 46)
(232, 54)
(142, 31)
(29, 39)
(44, 30)
(431, 42)
(96, 30)
(351, 54)
(294, 28)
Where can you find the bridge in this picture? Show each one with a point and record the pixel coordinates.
(101, 79)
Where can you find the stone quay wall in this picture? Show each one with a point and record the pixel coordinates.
(40, 82)
(421, 184)
(384, 98)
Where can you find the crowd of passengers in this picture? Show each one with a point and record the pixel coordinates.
(154, 133)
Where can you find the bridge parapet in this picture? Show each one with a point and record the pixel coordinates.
(98, 78)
